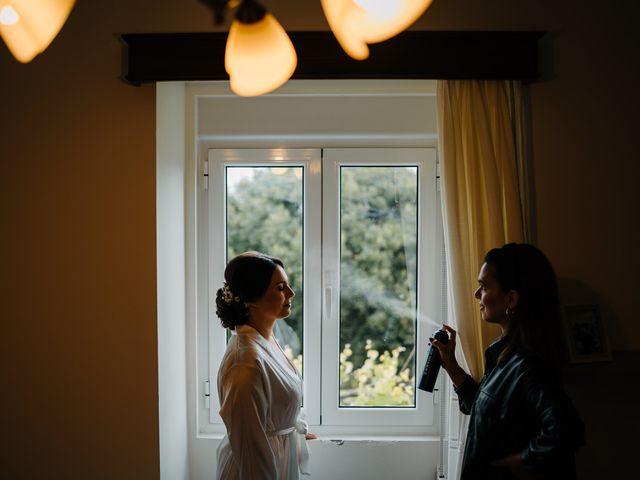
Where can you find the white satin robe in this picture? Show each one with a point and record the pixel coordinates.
(260, 394)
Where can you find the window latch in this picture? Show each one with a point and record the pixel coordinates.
(205, 174)
(207, 394)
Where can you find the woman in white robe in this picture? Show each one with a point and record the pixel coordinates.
(259, 388)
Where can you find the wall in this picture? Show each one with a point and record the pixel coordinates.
(78, 346)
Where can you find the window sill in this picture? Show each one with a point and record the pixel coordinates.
(382, 439)
(338, 439)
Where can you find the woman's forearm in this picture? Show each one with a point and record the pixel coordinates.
(457, 375)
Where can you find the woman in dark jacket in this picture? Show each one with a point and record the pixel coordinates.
(522, 423)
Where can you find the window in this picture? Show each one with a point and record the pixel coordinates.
(360, 235)
(195, 118)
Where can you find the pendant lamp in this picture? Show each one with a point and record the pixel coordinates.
(259, 55)
(29, 26)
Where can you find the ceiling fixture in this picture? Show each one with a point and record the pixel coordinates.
(260, 57)
(29, 26)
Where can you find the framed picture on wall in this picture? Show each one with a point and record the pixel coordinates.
(585, 334)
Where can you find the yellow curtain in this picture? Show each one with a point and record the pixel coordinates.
(479, 149)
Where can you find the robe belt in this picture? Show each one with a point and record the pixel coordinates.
(302, 429)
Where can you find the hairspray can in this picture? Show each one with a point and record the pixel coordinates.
(432, 365)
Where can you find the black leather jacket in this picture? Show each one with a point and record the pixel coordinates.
(519, 407)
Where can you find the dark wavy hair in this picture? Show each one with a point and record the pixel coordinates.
(247, 277)
(535, 324)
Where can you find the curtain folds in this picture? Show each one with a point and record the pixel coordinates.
(487, 202)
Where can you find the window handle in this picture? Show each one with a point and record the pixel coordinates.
(327, 301)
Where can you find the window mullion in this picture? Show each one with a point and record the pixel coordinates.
(312, 281)
(330, 288)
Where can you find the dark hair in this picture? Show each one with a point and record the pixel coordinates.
(535, 324)
(247, 278)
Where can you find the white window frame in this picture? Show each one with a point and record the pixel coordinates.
(321, 284)
(309, 160)
(428, 299)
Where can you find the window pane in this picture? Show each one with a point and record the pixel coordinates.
(378, 251)
(265, 213)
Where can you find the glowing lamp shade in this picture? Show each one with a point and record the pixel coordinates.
(387, 18)
(344, 18)
(29, 26)
(355, 23)
(259, 56)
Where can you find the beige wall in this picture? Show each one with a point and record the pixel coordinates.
(78, 355)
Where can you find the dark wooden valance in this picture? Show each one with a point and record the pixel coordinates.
(152, 57)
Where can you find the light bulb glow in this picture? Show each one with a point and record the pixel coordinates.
(8, 16)
(356, 23)
(259, 57)
(379, 8)
(39, 21)
(378, 28)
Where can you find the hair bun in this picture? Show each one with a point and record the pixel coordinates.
(230, 309)
(247, 277)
